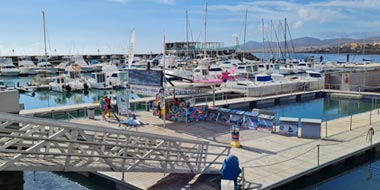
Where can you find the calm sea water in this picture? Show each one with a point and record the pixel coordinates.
(364, 177)
(323, 108)
(47, 98)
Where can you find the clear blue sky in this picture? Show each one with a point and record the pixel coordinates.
(83, 26)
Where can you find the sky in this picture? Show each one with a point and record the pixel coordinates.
(104, 26)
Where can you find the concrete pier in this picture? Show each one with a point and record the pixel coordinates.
(269, 161)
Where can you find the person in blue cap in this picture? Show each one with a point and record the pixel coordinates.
(231, 169)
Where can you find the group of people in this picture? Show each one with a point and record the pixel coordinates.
(105, 106)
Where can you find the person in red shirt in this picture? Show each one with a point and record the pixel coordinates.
(108, 104)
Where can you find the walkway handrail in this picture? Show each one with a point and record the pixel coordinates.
(66, 125)
(28, 143)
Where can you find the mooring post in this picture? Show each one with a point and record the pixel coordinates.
(318, 154)
(351, 122)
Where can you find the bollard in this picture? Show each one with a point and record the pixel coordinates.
(235, 137)
(351, 122)
(370, 134)
(318, 154)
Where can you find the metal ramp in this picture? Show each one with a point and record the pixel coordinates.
(28, 143)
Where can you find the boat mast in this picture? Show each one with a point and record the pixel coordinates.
(245, 32)
(187, 34)
(44, 27)
(262, 45)
(285, 42)
(271, 40)
(204, 43)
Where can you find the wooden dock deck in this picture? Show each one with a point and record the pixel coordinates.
(269, 160)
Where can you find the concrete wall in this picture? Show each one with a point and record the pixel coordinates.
(355, 81)
(10, 101)
(287, 87)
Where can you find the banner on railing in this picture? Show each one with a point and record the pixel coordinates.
(288, 126)
(122, 105)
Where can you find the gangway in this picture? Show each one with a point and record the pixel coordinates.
(29, 143)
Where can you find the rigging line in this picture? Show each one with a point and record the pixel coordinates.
(291, 39)
(270, 44)
(278, 42)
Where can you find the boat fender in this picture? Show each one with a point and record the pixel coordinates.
(85, 86)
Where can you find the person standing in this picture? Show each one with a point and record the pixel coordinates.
(108, 106)
(103, 108)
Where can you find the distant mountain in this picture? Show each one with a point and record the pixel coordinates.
(306, 42)
(251, 45)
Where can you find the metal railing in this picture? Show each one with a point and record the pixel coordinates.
(316, 147)
(28, 143)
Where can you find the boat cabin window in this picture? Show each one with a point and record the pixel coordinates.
(74, 74)
(264, 78)
(101, 78)
(315, 75)
(114, 75)
(216, 69)
(261, 66)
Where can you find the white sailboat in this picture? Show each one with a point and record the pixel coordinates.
(43, 62)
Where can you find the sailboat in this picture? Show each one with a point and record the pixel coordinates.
(43, 62)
